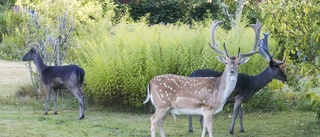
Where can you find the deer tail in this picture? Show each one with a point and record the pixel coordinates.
(81, 74)
(148, 94)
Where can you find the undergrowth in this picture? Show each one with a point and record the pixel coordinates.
(121, 59)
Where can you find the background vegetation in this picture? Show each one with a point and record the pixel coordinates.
(121, 47)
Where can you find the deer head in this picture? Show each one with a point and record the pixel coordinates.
(232, 62)
(273, 64)
(31, 55)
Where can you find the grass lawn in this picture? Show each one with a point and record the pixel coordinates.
(24, 117)
(29, 121)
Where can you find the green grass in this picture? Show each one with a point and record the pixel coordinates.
(23, 116)
(30, 121)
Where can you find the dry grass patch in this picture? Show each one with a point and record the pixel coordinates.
(13, 75)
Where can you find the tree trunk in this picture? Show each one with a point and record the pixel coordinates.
(239, 10)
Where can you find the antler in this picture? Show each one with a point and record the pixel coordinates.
(214, 45)
(263, 45)
(257, 28)
(264, 50)
(281, 62)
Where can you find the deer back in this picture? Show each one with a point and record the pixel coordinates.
(63, 74)
(183, 92)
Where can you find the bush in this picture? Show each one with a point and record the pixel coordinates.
(12, 39)
(295, 26)
(120, 60)
(172, 11)
(297, 33)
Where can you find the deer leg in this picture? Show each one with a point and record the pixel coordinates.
(77, 92)
(236, 108)
(48, 94)
(160, 125)
(240, 117)
(201, 122)
(55, 93)
(157, 118)
(207, 124)
(190, 125)
(81, 104)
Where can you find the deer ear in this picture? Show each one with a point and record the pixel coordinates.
(244, 60)
(33, 50)
(222, 59)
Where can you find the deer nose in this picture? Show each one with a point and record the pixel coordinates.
(232, 71)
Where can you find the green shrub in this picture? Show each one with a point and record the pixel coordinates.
(172, 11)
(5, 5)
(295, 27)
(29, 91)
(120, 60)
(12, 39)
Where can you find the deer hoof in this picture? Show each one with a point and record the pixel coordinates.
(81, 117)
(45, 113)
(231, 132)
(56, 113)
(190, 131)
(241, 130)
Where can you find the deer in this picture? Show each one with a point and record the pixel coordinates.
(246, 86)
(69, 77)
(205, 96)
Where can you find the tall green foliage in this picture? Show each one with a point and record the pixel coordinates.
(49, 25)
(11, 37)
(172, 11)
(120, 60)
(295, 26)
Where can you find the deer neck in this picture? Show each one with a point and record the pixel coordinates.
(39, 64)
(227, 84)
(262, 79)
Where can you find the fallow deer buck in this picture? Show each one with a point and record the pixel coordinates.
(59, 77)
(202, 95)
(246, 86)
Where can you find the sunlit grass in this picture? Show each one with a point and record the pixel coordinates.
(12, 73)
(23, 116)
(30, 121)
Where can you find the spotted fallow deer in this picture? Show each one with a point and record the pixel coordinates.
(202, 95)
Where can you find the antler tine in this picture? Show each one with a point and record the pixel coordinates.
(214, 45)
(257, 28)
(281, 62)
(225, 50)
(263, 47)
(252, 52)
(248, 54)
(264, 44)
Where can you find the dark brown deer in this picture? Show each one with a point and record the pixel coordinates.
(246, 86)
(201, 95)
(59, 77)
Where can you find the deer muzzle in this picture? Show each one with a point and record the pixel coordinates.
(232, 70)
